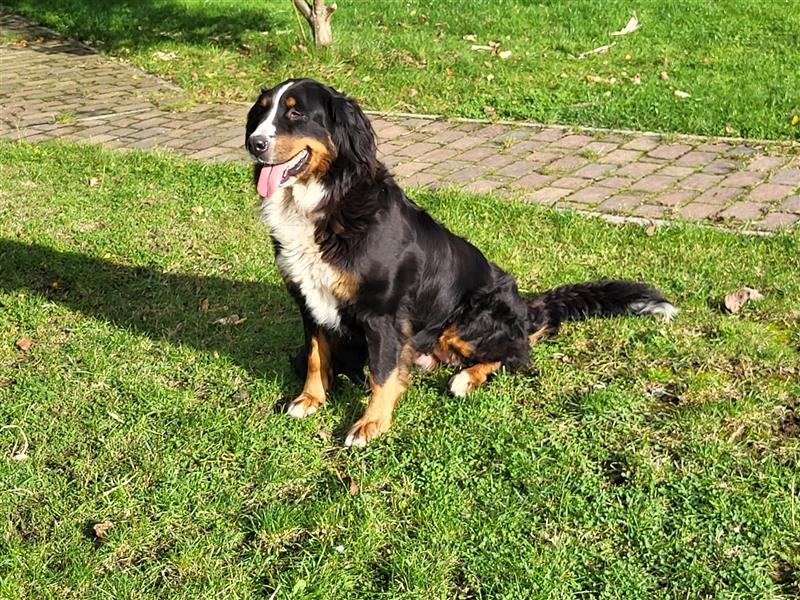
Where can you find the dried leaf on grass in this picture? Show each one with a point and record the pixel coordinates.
(633, 25)
(736, 300)
(230, 320)
(101, 530)
(598, 50)
(24, 343)
(682, 94)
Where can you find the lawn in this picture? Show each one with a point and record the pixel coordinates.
(736, 59)
(142, 456)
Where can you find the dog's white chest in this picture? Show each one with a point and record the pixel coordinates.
(300, 260)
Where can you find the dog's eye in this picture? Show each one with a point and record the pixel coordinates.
(294, 115)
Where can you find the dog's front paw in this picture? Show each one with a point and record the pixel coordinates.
(461, 384)
(364, 430)
(304, 405)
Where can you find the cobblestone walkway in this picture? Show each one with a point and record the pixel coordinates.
(52, 87)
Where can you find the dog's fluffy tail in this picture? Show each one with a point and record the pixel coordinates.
(604, 298)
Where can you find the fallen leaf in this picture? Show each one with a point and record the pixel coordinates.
(353, 487)
(481, 47)
(489, 110)
(628, 57)
(682, 94)
(470, 38)
(633, 25)
(651, 230)
(663, 75)
(413, 92)
(24, 343)
(730, 128)
(164, 55)
(636, 79)
(94, 181)
(597, 79)
(101, 530)
(795, 120)
(504, 54)
(736, 300)
(489, 77)
(198, 210)
(230, 320)
(204, 305)
(598, 50)
(487, 64)
(115, 416)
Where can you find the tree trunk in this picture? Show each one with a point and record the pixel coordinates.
(318, 16)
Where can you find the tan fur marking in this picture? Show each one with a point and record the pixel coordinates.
(345, 286)
(290, 101)
(288, 146)
(318, 377)
(378, 417)
(480, 372)
(264, 102)
(540, 333)
(450, 340)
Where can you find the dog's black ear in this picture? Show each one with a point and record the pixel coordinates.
(352, 133)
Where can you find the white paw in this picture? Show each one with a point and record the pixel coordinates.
(460, 384)
(355, 440)
(301, 407)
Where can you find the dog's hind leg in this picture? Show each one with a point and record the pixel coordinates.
(472, 377)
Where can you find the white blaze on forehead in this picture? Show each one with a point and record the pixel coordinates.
(267, 126)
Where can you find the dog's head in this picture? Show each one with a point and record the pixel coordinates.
(301, 131)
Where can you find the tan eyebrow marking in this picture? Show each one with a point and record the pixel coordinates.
(264, 102)
(290, 101)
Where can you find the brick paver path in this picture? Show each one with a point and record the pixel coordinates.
(52, 87)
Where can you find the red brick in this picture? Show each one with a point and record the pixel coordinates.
(467, 174)
(542, 156)
(516, 169)
(766, 163)
(720, 167)
(571, 183)
(676, 171)
(775, 221)
(699, 181)
(482, 186)
(533, 180)
(791, 204)
(719, 195)
(440, 154)
(615, 182)
(502, 160)
(573, 141)
(654, 183)
(594, 170)
(697, 211)
(743, 179)
(621, 157)
(742, 211)
(620, 203)
(477, 153)
(443, 137)
(767, 192)
(600, 147)
(547, 195)
(642, 143)
(409, 168)
(787, 177)
(568, 163)
(418, 149)
(669, 151)
(695, 159)
(637, 170)
(673, 197)
(650, 211)
(590, 195)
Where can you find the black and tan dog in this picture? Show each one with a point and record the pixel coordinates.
(378, 281)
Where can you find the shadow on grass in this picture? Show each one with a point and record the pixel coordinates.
(163, 306)
(142, 24)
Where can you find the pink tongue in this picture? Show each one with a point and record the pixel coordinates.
(269, 179)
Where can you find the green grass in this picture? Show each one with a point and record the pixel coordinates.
(736, 58)
(633, 460)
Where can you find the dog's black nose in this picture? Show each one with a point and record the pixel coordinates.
(258, 144)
